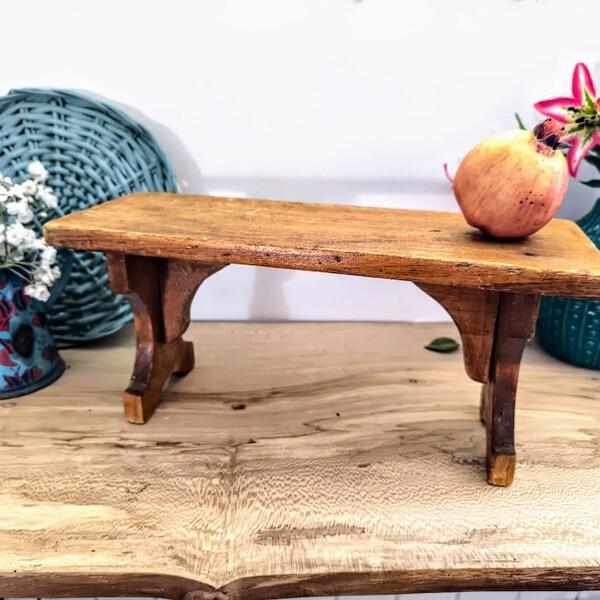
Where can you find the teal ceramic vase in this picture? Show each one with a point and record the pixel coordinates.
(570, 329)
(29, 359)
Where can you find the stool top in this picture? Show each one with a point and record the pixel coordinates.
(420, 246)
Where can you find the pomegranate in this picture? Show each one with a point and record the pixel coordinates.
(513, 183)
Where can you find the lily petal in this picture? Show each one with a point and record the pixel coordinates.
(578, 150)
(556, 108)
(582, 79)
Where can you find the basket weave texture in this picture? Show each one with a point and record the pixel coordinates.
(93, 153)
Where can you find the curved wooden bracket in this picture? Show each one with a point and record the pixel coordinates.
(474, 313)
(160, 295)
(179, 281)
(494, 327)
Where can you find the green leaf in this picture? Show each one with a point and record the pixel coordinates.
(443, 344)
(519, 122)
(595, 183)
(593, 159)
(590, 103)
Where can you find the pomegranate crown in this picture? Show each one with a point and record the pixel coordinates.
(550, 132)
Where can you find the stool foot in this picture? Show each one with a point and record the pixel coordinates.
(160, 293)
(517, 314)
(154, 364)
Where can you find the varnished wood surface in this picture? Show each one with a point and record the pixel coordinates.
(421, 246)
(297, 459)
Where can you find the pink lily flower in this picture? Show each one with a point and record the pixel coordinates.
(580, 115)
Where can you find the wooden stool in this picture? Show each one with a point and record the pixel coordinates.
(161, 247)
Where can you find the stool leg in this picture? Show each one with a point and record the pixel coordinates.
(494, 327)
(147, 282)
(517, 314)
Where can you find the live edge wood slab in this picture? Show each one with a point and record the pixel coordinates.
(161, 247)
(315, 459)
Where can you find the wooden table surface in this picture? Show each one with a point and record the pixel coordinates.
(421, 246)
(297, 459)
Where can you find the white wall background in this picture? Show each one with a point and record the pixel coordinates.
(346, 101)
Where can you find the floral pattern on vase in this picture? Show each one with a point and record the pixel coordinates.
(29, 359)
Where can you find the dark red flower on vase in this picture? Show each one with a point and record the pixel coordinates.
(27, 377)
(7, 310)
(49, 353)
(21, 300)
(39, 319)
(8, 345)
(5, 359)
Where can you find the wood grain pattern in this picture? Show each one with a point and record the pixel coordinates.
(425, 247)
(354, 467)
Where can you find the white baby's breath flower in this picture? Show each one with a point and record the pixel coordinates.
(42, 275)
(39, 291)
(20, 245)
(16, 191)
(48, 198)
(15, 234)
(48, 255)
(46, 275)
(31, 240)
(29, 188)
(37, 170)
(20, 210)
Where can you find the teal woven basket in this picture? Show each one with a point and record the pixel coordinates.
(93, 153)
(570, 329)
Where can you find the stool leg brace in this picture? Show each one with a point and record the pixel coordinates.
(494, 327)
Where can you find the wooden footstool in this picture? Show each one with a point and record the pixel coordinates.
(161, 247)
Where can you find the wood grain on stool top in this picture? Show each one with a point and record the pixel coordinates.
(421, 246)
(355, 467)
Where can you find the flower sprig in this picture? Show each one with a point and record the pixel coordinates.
(21, 250)
(579, 114)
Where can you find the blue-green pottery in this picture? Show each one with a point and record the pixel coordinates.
(29, 359)
(570, 329)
